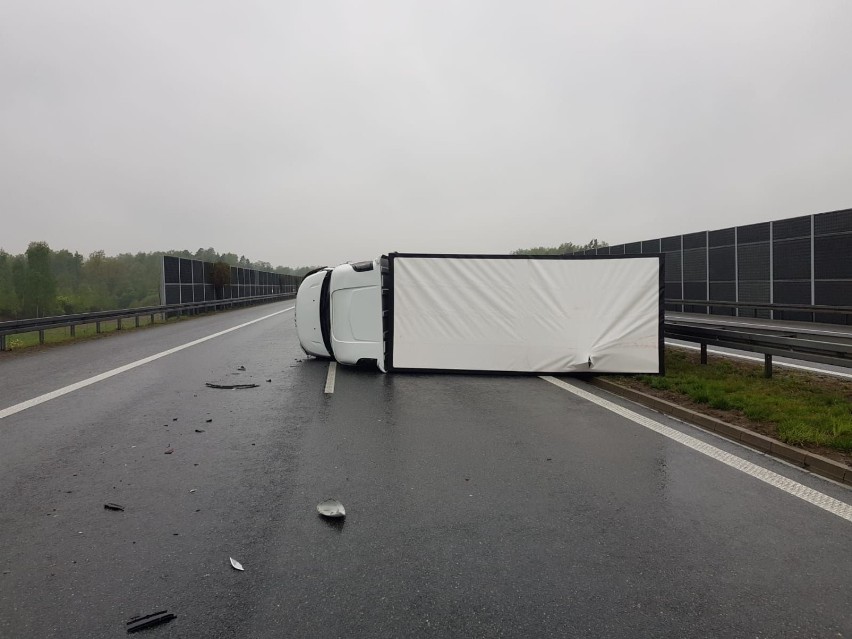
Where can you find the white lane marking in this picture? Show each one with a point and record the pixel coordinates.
(800, 367)
(329, 380)
(41, 399)
(794, 488)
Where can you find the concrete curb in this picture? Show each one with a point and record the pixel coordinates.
(814, 463)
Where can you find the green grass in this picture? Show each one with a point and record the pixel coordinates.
(806, 409)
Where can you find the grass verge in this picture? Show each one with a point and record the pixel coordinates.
(802, 409)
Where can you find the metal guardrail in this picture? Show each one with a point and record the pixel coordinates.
(798, 342)
(812, 309)
(41, 324)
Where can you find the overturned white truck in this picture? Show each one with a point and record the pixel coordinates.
(494, 313)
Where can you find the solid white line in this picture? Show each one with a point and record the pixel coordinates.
(329, 380)
(794, 488)
(41, 399)
(800, 367)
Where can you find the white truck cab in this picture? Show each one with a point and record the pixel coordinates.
(339, 313)
(496, 313)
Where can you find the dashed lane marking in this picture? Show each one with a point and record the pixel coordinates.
(818, 499)
(329, 380)
(41, 399)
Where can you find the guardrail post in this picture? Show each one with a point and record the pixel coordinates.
(767, 366)
(703, 353)
(73, 330)
(137, 321)
(41, 337)
(2, 342)
(98, 328)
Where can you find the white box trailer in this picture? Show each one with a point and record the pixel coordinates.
(492, 313)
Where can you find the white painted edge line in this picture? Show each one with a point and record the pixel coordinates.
(329, 380)
(818, 499)
(41, 399)
(751, 358)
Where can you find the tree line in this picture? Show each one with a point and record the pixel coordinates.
(42, 282)
(565, 248)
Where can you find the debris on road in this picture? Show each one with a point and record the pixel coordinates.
(199, 430)
(268, 381)
(169, 451)
(192, 490)
(140, 623)
(331, 508)
(236, 564)
(114, 507)
(241, 368)
(209, 420)
(230, 386)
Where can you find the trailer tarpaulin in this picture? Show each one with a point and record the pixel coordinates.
(526, 313)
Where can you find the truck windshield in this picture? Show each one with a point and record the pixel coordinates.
(325, 312)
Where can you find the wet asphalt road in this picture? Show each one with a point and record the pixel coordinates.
(477, 506)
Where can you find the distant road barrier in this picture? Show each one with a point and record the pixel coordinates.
(802, 310)
(800, 343)
(42, 324)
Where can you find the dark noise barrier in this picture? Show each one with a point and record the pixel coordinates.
(803, 260)
(192, 281)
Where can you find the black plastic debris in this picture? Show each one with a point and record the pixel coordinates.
(168, 451)
(114, 507)
(241, 368)
(155, 619)
(199, 430)
(230, 386)
(209, 420)
(268, 381)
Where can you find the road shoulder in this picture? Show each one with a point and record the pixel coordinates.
(800, 457)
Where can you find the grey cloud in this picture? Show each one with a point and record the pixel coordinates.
(305, 132)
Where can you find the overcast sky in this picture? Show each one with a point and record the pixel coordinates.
(321, 131)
